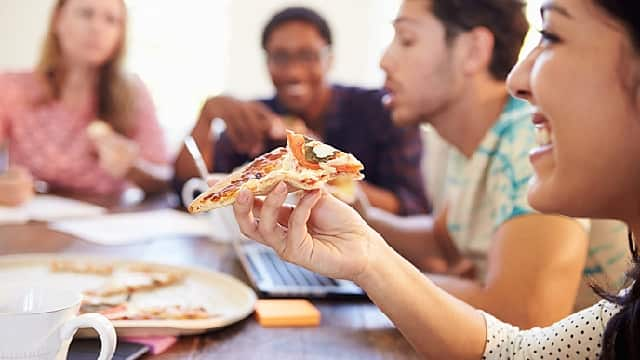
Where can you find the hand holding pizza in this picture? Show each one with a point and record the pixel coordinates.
(321, 233)
(116, 153)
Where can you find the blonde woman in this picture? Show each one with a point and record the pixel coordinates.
(48, 116)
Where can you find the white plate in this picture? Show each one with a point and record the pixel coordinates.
(221, 294)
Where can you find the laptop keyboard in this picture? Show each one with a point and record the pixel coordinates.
(285, 273)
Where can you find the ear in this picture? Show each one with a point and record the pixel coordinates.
(479, 45)
(329, 61)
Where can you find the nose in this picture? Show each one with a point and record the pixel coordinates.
(295, 71)
(519, 80)
(385, 60)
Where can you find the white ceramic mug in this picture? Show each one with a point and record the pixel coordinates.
(226, 227)
(37, 322)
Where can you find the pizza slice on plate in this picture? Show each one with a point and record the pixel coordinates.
(305, 164)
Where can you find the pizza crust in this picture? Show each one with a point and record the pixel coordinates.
(264, 173)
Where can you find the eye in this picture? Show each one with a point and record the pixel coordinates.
(112, 19)
(406, 42)
(548, 38)
(86, 13)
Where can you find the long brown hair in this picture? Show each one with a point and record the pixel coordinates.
(114, 100)
(620, 339)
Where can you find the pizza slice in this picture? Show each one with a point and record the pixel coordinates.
(79, 267)
(305, 164)
(172, 312)
(135, 281)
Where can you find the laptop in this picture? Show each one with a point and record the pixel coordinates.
(274, 277)
(269, 275)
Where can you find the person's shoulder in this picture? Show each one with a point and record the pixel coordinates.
(135, 83)
(20, 79)
(22, 86)
(358, 93)
(365, 106)
(515, 119)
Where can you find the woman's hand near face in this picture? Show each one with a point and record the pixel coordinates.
(321, 233)
(16, 187)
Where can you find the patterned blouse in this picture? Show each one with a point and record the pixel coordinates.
(578, 336)
(51, 140)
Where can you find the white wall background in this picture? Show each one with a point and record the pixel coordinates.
(188, 50)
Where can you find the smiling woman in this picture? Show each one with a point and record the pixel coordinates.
(583, 81)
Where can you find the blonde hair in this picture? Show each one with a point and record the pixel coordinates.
(114, 100)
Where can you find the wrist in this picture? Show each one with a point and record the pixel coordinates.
(378, 258)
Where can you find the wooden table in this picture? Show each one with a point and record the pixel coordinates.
(349, 330)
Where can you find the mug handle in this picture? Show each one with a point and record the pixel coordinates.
(98, 322)
(191, 186)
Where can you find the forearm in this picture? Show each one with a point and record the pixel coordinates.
(151, 178)
(410, 236)
(381, 198)
(435, 323)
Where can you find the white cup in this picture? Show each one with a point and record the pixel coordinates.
(38, 323)
(222, 220)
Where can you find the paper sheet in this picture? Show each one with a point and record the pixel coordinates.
(129, 228)
(48, 208)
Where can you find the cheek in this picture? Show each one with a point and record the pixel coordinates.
(114, 39)
(67, 35)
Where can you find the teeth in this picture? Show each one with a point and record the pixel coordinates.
(296, 89)
(543, 136)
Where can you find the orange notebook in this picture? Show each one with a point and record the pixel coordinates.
(287, 313)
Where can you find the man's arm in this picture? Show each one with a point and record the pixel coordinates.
(413, 237)
(381, 198)
(534, 268)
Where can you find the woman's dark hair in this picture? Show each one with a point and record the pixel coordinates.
(504, 18)
(621, 337)
(301, 14)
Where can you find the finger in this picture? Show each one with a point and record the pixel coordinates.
(300, 216)
(278, 129)
(236, 127)
(254, 123)
(257, 134)
(265, 115)
(283, 213)
(268, 226)
(244, 217)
